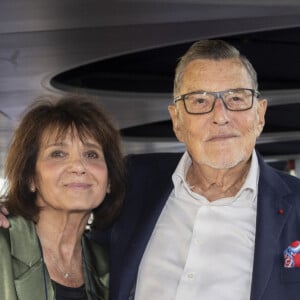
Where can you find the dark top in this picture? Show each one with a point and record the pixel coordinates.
(69, 293)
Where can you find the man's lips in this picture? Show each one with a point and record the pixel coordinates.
(221, 137)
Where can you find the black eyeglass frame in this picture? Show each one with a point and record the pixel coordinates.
(217, 95)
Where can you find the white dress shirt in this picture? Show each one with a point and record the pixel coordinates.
(201, 249)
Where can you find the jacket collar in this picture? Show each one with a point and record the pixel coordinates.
(130, 261)
(95, 269)
(31, 278)
(273, 195)
(23, 236)
(34, 279)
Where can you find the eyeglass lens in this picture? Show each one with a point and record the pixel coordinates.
(239, 99)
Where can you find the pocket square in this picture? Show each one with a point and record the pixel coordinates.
(292, 255)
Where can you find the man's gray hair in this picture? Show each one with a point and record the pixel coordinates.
(215, 50)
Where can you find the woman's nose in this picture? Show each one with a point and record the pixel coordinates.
(77, 165)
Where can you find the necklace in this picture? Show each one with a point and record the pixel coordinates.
(45, 277)
(73, 276)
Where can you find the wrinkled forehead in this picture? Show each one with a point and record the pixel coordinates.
(215, 75)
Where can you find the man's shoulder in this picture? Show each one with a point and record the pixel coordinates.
(280, 179)
(292, 181)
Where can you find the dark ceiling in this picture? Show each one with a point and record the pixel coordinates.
(275, 55)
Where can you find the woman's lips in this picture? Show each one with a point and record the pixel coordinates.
(77, 185)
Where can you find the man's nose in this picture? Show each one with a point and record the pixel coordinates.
(220, 112)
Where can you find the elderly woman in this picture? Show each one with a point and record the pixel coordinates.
(64, 164)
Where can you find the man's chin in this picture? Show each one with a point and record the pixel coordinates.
(224, 162)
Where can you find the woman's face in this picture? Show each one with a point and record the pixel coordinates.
(71, 174)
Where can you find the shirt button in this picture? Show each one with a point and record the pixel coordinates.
(190, 276)
(197, 242)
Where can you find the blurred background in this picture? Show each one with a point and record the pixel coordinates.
(124, 52)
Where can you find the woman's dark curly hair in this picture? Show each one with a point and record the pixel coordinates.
(82, 116)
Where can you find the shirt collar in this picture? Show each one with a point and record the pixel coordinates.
(251, 182)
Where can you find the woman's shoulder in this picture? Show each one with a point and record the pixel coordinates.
(4, 239)
(6, 233)
(19, 230)
(15, 224)
(19, 225)
(19, 221)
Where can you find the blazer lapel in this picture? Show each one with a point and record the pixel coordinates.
(30, 282)
(31, 285)
(96, 271)
(272, 197)
(138, 244)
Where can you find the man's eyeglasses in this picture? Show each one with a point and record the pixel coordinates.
(204, 102)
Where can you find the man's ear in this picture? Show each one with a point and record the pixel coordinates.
(174, 114)
(261, 110)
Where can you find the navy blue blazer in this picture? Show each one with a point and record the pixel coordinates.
(149, 185)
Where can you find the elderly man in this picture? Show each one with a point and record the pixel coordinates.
(214, 222)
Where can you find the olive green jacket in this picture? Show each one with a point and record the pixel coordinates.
(22, 275)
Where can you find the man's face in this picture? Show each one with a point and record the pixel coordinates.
(220, 139)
